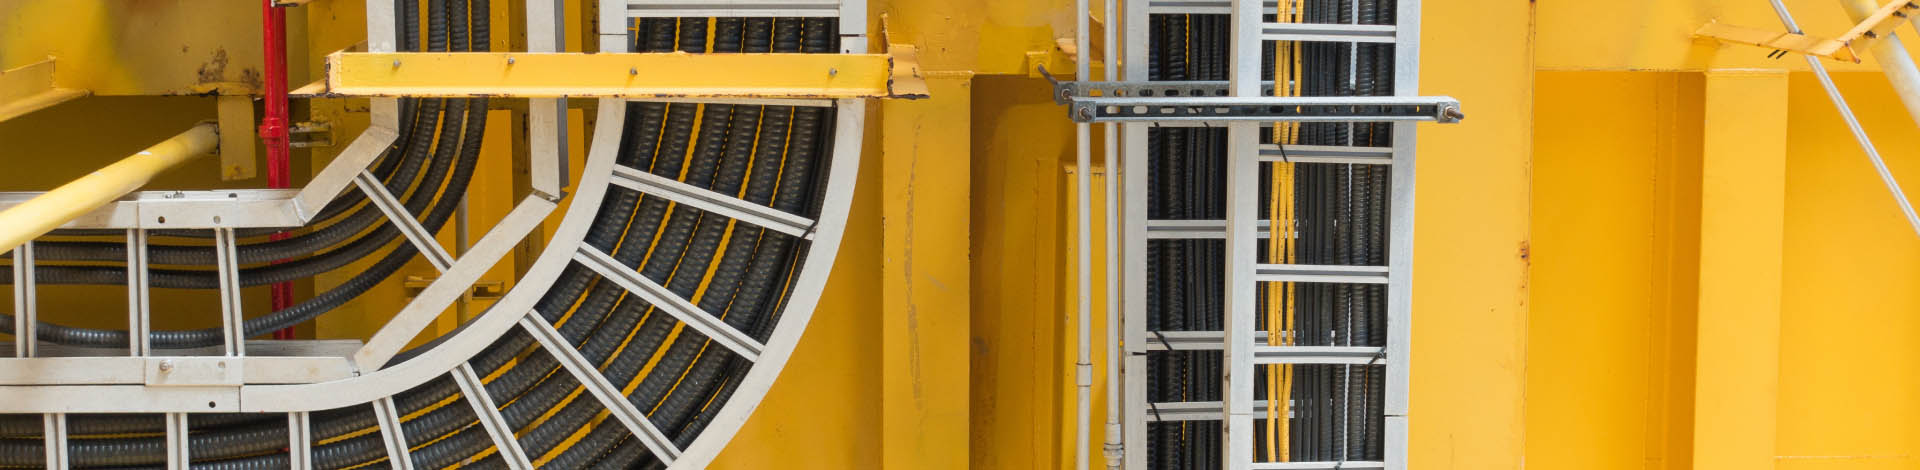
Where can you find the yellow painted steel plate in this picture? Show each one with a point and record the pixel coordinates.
(607, 75)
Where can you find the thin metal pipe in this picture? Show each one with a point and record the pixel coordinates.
(1111, 66)
(1853, 123)
(1083, 161)
(273, 127)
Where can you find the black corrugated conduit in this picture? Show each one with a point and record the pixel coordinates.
(765, 154)
(1341, 218)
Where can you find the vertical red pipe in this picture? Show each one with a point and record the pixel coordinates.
(273, 126)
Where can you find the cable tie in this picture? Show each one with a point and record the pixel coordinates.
(1162, 336)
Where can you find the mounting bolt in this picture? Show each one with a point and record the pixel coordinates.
(509, 61)
(396, 62)
(1873, 35)
(166, 365)
(1452, 114)
(633, 71)
(832, 71)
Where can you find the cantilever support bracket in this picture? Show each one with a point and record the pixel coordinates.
(1844, 48)
(30, 88)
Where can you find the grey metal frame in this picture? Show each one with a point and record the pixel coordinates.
(25, 302)
(300, 377)
(1242, 344)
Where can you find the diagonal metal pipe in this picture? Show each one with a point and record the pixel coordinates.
(52, 209)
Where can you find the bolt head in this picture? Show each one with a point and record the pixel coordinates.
(509, 61)
(166, 366)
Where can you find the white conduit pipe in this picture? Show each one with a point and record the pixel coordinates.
(1083, 401)
(1111, 66)
(1853, 123)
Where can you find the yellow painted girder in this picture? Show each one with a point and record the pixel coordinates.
(30, 88)
(621, 75)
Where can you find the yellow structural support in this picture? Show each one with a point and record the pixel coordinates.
(30, 88)
(1874, 23)
(925, 283)
(1776, 40)
(1743, 199)
(52, 209)
(620, 75)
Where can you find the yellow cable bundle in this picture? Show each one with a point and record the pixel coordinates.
(1281, 249)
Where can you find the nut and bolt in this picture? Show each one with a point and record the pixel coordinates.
(166, 366)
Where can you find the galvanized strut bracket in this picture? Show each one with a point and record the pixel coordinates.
(1091, 101)
(1443, 110)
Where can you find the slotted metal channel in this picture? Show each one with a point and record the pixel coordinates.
(1244, 105)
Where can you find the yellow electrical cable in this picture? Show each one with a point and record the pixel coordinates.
(1281, 248)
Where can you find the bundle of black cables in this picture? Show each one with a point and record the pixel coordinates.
(773, 155)
(1340, 218)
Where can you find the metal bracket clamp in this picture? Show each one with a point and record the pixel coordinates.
(1440, 109)
(1065, 92)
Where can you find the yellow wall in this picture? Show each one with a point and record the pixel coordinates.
(1849, 374)
(1470, 284)
(1600, 340)
(1612, 366)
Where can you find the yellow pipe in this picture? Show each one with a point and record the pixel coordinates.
(54, 208)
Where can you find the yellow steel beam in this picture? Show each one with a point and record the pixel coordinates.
(925, 280)
(1743, 205)
(622, 75)
(1874, 26)
(30, 88)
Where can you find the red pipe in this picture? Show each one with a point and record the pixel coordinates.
(273, 126)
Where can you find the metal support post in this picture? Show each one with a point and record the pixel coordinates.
(1243, 192)
(25, 302)
(547, 117)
